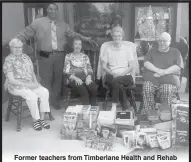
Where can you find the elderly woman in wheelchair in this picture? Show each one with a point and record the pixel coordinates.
(118, 65)
(21, 81)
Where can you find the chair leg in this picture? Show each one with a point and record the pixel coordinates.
(132, 100)
(68, 99)
(177, 96)
(9, 109)
(19, 111)
(106, 100)
(140, 107)
(50, 116)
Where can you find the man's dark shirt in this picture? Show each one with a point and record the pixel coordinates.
(164, 60)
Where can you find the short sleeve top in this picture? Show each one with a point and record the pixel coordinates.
(164, 60)
(118, 59)
(22, 68)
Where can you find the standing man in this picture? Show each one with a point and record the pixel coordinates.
(51, 37)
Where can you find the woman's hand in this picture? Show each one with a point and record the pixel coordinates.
(78, 81)
(88, 80)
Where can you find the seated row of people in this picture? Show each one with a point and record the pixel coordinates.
(117, 67)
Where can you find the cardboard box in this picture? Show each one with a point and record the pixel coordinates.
(67, 134)
(121, 128)
(102, 139)
(180, 138)
(180, 112)
(151, 139)
(164, 139)
(129, 139)
(180, 124)
(125, 117)
(106, 117)
(77, 120)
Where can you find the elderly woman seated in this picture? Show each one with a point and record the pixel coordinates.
(21, 81)
(119, 61)
(162, 73)
(79, 73)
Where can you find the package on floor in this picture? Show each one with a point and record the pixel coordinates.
(101, 139)
(165, 112)
(125, 117)
(164, 139)
(180, 124)
(106, 117)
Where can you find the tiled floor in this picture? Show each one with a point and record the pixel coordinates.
(46, 142)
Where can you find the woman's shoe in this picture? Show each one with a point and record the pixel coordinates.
(44, 124)
(37, 125)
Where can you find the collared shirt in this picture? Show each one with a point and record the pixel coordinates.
(118, 59)
(164, 60)
(40, 29)
(22, 68)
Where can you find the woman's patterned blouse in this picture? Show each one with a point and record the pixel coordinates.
(22, 68)
(73, 64)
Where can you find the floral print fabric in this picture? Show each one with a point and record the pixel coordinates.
(73, 64)
(22, 68)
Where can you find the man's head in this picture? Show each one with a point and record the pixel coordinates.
(117, 34)
(16, 46)
(164, 41)
(52, 11)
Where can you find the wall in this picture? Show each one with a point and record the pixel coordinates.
(184, 26)
(127, 21)
(66, 9)
(12, 20)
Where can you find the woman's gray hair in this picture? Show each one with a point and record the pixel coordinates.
(15, 42)
(117, 29)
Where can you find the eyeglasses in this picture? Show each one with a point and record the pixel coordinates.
(163, 41)
(17, 47)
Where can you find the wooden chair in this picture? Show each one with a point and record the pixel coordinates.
(15, 105)
(101, 74)
(68, 96)
(69, 93)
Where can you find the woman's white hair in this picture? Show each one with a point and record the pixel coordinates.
(15, 42)
(117, 29)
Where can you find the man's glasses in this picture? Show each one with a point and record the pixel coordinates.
(163, 41)
(18, 47)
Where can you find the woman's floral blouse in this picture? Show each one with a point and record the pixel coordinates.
(73, 64)
(22, 68)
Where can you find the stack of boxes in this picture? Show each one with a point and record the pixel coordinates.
(180, 124)
(99, 129)
(101, 139)
(84, 117)
(68, 126)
